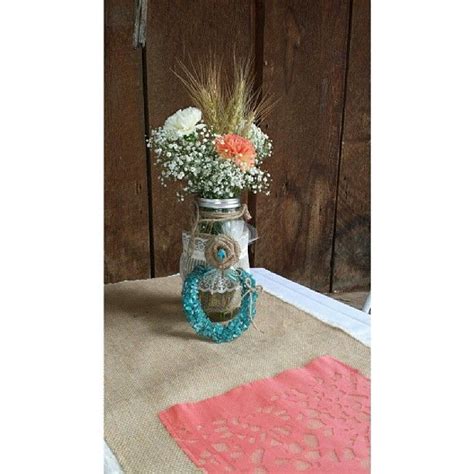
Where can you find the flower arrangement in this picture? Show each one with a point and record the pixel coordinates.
(214, 148)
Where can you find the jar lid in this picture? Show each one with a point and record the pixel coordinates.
(219, 203)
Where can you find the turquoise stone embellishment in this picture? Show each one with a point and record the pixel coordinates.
(221, 254)
(198, 318)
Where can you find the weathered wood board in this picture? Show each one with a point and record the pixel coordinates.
(304, 63)
(126, 211)
(352, 235)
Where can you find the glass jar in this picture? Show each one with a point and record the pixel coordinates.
(238, 229)
(222, 299)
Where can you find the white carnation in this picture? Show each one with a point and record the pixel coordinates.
(183, 122)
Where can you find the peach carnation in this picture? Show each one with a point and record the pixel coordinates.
(236, 148)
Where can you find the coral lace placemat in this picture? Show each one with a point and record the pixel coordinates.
(314, 419)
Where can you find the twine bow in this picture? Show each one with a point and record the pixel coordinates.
(258, 289)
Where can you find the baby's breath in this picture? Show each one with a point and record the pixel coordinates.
(193, 160)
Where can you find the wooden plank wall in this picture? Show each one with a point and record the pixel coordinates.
(305, 65)
(127, 249)
(351, 266)
(314, 55)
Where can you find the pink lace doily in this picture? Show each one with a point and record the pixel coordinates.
(314, 419)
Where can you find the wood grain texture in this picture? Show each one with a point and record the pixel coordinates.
(352, 235)
(182, 30)
(304, 64)
(126, 215)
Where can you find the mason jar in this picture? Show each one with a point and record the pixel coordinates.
(238, 229)
(220, 296)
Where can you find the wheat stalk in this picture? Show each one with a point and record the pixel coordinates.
(229, 105)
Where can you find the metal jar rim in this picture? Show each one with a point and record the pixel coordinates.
(230, 203)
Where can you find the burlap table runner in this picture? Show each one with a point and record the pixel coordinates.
(153, 359)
